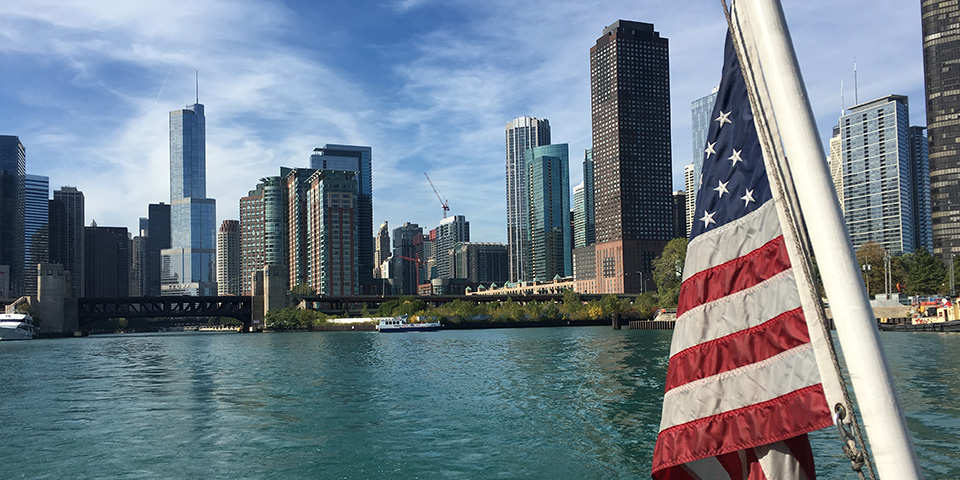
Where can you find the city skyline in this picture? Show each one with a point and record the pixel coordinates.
(90, 100)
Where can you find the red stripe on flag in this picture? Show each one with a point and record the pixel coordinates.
(777, 335)
(747, 427)
(738, 274)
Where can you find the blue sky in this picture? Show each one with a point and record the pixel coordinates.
(87, 86)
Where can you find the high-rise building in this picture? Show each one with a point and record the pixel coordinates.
(589, 197)
(332, 238)
(263, 228)
(36, 228)
(228, 258)
(192, 254)
(381, 250)
(835, 161)
(690, 186)
(876, 174)
(630, 111)
(451, 230)
(579, 214)
(107, 258)
(549, 246)
(920, 182)
(13, 170)
(158, 239)
(680, 214)
(479, 262)
(138, 259)
(70, 233)
(406, 260)
(941, 53)
(352, 158)
(298, 224)
(522, 133)
(700, 111)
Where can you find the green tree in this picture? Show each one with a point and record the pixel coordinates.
(645, 306)
(870, 257)
(668, 272)
(926, 274)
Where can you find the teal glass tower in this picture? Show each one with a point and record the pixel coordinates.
(548, 221)
(193, 230)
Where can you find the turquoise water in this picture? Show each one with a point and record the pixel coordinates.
(512, 403)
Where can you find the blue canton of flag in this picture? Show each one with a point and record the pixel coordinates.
(733, 181)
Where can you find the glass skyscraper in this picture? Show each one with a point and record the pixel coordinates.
(700, 111)
(13, 170)
(71, 245)
(548, 225)
(522, 133)
(876, 174)
(193, 229)
(36, 228)
(920, 181)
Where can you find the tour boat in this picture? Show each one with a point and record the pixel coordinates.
(16, 326)
(400, 324)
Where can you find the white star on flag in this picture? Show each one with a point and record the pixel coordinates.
(721, 188)
(735, 157)
(710, 151)
(708, 218)
(748, 198)
(723, 118)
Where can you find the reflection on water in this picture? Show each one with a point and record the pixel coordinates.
(526, 403)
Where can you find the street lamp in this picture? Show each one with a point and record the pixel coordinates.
(866, 272)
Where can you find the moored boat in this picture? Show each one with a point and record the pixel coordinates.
(16, 326)
(400, 324)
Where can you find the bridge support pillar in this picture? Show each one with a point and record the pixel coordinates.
(257, 311)
(274, 288)
(56, 311)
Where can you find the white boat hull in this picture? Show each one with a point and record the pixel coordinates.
(16, 327)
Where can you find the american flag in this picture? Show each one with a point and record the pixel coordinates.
(742, 387)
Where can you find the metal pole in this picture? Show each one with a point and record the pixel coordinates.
(775, 66)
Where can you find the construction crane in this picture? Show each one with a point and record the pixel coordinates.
(443, 201)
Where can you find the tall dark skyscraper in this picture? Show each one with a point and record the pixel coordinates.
(13, 170)
(522, 134)
(193, 231)
(70, 235)
(941, 53)
(107, 258)
(158, 238)
(630, 110)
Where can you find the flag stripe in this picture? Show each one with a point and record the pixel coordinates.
(714, 247)
(784, 332)
(766, 422)
(736, 389)
(744, 309)
(733, 276)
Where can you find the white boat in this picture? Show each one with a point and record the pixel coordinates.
(400, 324)
(16, 326)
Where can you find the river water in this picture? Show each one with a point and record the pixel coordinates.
(544, 403)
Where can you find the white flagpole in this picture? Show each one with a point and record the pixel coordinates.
(776, 70)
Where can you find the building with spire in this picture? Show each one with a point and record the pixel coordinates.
(193, 251)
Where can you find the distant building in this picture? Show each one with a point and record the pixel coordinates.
(451, 230)
(297, 182)
(71, 234)
(579, 214)
(333, 233)
(381, 250)
(835, 161)
(264, 228)
(630, 112)
(13, 170)
(406, 259)
(158, 238)
(228, 258)
(522, 134)
(480, 263)
(107, 258)
(700, 111)
(138, 259)
(589, 198)
(941, 37)
(876, 174)
(36, 228)
(690, 186)
(354, 158)
(680, 214)
(549, 246)
(192, 254)
(920, 183)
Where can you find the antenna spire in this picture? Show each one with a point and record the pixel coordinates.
(856, 86)
(198, 85)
